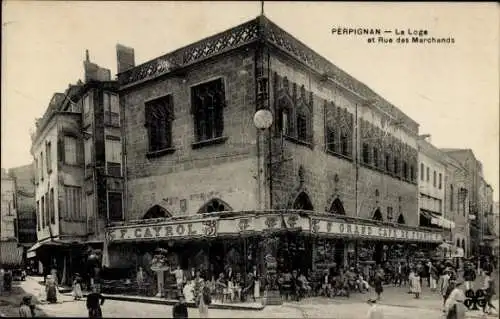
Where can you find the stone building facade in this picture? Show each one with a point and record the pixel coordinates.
(198, 166)
(24, 177)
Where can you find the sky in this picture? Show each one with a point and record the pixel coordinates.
(451, 90)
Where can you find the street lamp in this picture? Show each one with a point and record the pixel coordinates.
(263, 120)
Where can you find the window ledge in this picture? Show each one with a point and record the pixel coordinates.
(159, 153)
(112, 125)
(346, 157)
(213, 141)
(298, 141)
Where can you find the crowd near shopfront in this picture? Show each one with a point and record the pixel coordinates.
(241, 255)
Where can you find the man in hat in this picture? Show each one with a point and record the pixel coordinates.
(375, 312)
(180, 311)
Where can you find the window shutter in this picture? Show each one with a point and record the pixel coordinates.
(60, 149)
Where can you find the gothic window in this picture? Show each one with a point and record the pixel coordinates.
(303, 122)
(283, 122)
(331, 139)
(208, 100)
(303, 202)
(337, 207)
(156, 212)
(159, 117)
(377, 215)
(344, 144)
(214, 206)
(396, 166)
(366, 153)
(401, 219)
(375, 157)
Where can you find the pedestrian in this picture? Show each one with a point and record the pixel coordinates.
(94, 302)
(378, 283)
(445, 286)
(204, 300)
(415, 283)
(489, 293)
(375, 312)
(51, 289)
(434, 276)
(454, 306)
(180, 311)
(469, 276)
(26, 309)
(77, 287)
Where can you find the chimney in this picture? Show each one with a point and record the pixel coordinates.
(93, 71)
(125, 58)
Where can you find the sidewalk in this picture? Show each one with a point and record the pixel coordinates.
(67, 297)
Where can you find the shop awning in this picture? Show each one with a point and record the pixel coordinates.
(31, 253)
(438, 220)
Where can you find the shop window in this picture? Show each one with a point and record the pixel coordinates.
(303, 202)
(214, 206)
(208, 100)
(401, 219)
(378, 215)
(337, 207)
(157, 212)
(159, 117)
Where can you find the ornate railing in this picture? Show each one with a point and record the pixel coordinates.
(196, 52)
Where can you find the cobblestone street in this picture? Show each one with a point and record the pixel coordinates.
(353, 308)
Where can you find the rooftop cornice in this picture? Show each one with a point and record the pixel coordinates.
(263, 30)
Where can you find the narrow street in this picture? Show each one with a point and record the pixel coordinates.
(396, 304)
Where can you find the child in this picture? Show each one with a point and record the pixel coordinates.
(94, 303)
(77, 287)
(416, 287)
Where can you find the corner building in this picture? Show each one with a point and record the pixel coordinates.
(332, 180)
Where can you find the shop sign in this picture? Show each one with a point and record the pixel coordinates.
(261, 223)
(372, 231)
(199, 228)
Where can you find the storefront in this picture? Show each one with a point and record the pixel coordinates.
(299, 240)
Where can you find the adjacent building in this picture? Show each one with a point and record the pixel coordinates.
(10, 253)
(432, 188)
(332, 178)
(78, 171)
(24, 181)
(457, 203)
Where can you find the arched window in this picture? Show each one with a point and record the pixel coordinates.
(157, 212)
(303, 202)
(377, 215)
(284, 118)
(401, 219)
(303, 121)
(337, 207)
(213, 206)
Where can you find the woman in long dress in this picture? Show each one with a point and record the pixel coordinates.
(51, 289)
(415, 286)
(204, 300)
(454, 306)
